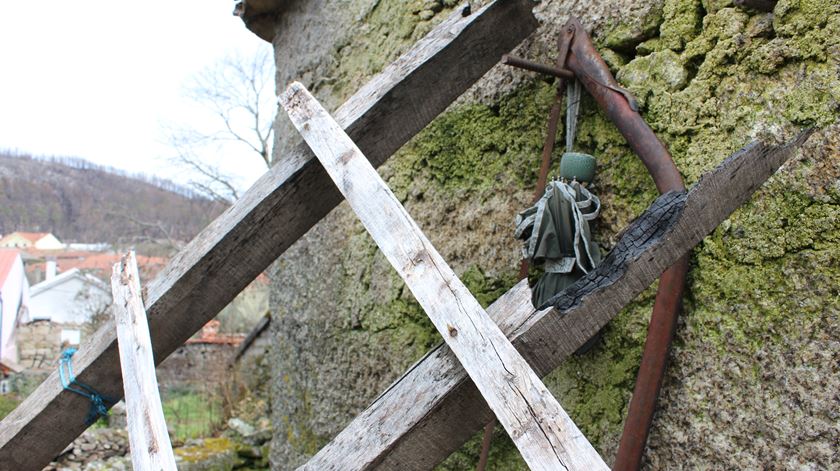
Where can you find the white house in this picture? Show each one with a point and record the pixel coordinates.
(72, 297)
(57, 309)
(14, 300)
(31, 240)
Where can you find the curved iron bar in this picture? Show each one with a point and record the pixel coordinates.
(584, 62)
(593, 72)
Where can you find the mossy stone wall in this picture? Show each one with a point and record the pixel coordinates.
(753, 375)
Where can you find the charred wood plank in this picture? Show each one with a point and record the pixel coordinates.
(434, 407)
(273, 214)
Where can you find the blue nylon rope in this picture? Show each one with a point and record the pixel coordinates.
(99, 404)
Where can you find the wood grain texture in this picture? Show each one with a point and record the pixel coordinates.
(434, 408)
(147, 433)
(274, 213)
(542, 431)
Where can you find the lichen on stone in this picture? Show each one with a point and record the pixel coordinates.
(754, 347)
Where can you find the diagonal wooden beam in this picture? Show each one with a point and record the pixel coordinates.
(434, 407)
(285, 203)
(544, 433)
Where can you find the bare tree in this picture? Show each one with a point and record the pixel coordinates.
(152, 231)
(191, 150)
(238, 92)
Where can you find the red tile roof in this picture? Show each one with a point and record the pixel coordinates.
(98, 263)
(210, 334)
(7, 261)
(7, 368)
(30, 236)
(103, 263)
(224, 339)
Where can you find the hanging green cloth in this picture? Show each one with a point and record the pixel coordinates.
(556, 229)
(556, 235)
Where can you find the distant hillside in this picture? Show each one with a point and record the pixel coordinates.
(81, 202)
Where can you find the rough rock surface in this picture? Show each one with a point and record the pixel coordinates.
(91, 449)
(754, 377)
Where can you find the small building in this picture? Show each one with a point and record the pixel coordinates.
(73, 297)
(14, 302)
(41, 265)
(7, 370)
(59, 309)
(31, 240)
(201, 363)
(40, 343)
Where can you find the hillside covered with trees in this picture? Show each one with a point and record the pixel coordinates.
(82, 202)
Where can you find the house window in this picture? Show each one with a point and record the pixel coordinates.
(71, 336)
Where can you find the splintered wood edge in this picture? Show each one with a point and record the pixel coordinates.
(293, 100)
(147, 431)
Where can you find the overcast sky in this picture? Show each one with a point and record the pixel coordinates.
(99, 79)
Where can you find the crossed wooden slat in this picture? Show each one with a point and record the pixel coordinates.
(545, 435)
(433, 408)
(273, 214)
(542, 431)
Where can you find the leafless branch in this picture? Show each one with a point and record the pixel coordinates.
(155, 226)
(239, 94)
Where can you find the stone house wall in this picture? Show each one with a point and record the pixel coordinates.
(39, 344)
(196, 366)
(753, 375)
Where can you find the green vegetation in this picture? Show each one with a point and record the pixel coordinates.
(388, 26)
(192, 414)
(221, 454)
(8, 402)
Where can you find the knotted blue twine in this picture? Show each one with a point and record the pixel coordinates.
(99, 404)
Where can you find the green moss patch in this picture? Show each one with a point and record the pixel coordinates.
(715, 78)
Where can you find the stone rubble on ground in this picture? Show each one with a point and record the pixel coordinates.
(96, 445)
(100, 449)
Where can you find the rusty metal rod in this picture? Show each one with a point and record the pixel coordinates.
(485, 442)
(586, 64)
(593, 73)
(663, 323)
(514, 61)
(591, 70)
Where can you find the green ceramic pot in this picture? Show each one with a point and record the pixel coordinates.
(577, 166)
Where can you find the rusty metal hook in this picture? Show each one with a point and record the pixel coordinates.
(584, 62)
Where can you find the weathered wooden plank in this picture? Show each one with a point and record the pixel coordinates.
(545, 435)
(288, 200)
(434, 408)
(147, 433)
